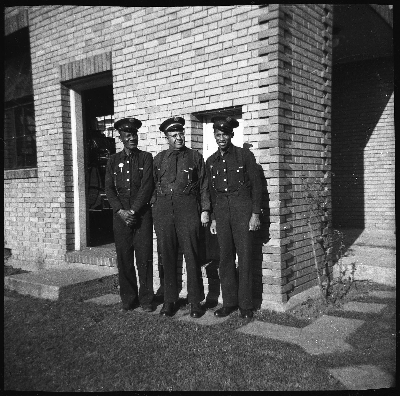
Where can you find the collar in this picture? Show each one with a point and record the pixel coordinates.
(126, 153)
(170, 151)
(217, 155)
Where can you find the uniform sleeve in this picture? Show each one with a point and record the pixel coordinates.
(203, 185)
(155, 179)
(255, 181)
(210, 188)
(109, 187)
(147, 185)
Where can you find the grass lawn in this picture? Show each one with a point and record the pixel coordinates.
(82, 347)
(71, 346)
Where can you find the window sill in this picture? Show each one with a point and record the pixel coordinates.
(21, 173)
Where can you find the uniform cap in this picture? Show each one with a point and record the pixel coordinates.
(128, 125)
(225, 124)
(173, 123)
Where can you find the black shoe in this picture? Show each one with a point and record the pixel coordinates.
(167, 309)
(225, 311)
(196, 311)
(130, 306)
(147, 307)
(247, 314)
(159, 296)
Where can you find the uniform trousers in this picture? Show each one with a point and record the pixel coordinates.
(232, 214)
(177, 224)
(129, 241)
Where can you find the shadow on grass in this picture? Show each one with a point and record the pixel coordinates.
(9, 270)
(83, 347)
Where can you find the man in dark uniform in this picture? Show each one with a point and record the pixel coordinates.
(181, 203)
(129, 186)
(235, 189)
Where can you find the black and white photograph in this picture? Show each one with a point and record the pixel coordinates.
(199, 199)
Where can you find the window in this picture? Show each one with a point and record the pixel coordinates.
(209, 144)
(19, 117)
(19, 136)
(105, 124)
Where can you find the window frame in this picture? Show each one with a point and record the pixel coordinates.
(19, 129)
(19, 140)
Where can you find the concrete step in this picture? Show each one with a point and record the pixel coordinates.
(72, 283)
(373, 254)
(376, 264)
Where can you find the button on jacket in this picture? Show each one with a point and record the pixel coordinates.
(129, 186)
(129, 180)
(181, 194)
(235, 173)
(235, 189)
(191, 175)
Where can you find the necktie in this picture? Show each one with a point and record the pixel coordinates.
(172, 166)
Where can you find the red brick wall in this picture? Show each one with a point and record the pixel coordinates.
(363, 159)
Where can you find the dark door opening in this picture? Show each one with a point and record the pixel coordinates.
(99, 139)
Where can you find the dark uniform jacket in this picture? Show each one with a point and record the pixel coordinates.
(129, 180)
(236, 173)
(191, 176)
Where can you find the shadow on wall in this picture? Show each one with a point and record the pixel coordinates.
(360, 94)
(262, 238)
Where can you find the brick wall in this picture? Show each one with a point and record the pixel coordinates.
(273, 61)
(296, 65)
(363, 160)
(165, 61)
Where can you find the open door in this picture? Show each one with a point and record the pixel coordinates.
(99, 142)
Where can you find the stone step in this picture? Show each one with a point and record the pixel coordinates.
(55, 284)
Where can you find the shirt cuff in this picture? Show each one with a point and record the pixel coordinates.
(256, 210)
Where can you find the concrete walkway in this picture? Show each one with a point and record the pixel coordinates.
(373, 253)
(326, 335)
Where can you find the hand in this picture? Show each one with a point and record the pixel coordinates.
(213, 227)
(205, 219)
(128, 217)
(254, 223)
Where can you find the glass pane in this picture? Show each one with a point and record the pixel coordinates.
(18, 76)
(9, 128)
(26, 151)
(105, 124)
(29, 119)
(19, 122)
(10, 154)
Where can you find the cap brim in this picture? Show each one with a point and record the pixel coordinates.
(172, 125)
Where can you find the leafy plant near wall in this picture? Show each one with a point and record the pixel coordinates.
(331, 241)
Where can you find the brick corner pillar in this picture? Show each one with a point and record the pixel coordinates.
(194, 132)
(295, 82)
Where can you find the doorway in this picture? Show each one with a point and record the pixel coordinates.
(99, 145)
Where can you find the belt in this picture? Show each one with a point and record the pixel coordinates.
(170, 194)
(227, 194)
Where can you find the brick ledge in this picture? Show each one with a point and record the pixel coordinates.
(21, 173)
